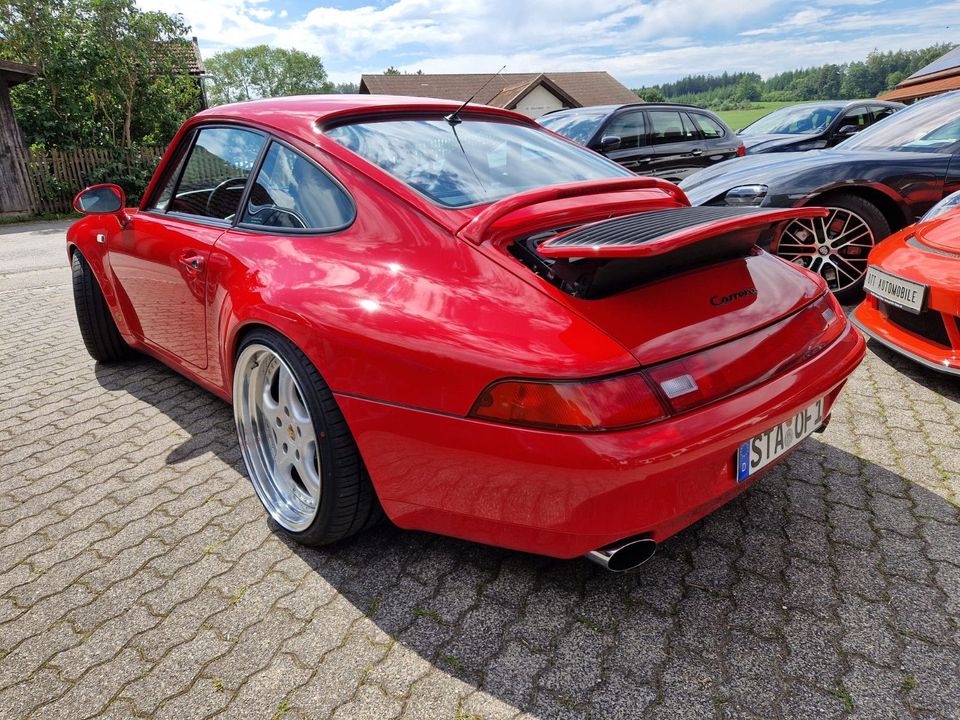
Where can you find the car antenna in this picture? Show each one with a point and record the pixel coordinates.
(454, 117)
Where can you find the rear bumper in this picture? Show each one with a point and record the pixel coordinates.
(564, 494)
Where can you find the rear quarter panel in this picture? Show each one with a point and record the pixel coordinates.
(396, 309)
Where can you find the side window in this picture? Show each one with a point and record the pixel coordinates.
(291, 192)
(709, 127)
(216, 172)
(630, 128)
(882, 111)
(860, 117)
(160, 202)
(668, 126)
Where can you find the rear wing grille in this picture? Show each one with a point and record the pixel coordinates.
(662, 231)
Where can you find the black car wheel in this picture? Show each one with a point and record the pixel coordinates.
(97, 328)
(836, 246)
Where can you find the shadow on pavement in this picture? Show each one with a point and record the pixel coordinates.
(833, 581)
(940, 383)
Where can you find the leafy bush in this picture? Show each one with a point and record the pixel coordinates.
(132, 173)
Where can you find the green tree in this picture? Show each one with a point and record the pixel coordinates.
(648, 94)
(263, 71)
(109, 72)
(391, 71)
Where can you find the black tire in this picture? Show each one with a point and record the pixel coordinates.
(348, 501)
(874, 219)
(97, 327)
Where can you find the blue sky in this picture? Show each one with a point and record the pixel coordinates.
(638, 42)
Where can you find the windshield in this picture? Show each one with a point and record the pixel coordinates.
(578, 126)
(927, 126)
(795, 120)
(476, 161)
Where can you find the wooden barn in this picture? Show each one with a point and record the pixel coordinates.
(14, 199)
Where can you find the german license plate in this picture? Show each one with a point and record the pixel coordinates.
(894, 290)
(757, 453)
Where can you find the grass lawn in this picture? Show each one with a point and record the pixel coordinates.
(737, 119)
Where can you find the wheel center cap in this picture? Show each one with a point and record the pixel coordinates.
(291, 433)
(823, 250)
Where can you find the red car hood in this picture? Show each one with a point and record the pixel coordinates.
(693, 310)
(942, 233)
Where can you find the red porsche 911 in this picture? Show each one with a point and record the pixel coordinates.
(913, 290)
(458, 318)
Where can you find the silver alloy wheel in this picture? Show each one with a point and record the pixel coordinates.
(835, 246)
(277, 437)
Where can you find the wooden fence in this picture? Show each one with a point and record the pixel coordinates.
(55, 176)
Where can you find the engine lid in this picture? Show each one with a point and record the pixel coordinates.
(698, 308)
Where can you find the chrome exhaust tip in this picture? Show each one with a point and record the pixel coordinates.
(624, 556)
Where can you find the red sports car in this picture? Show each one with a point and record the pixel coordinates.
(460, 318)
(913, 290)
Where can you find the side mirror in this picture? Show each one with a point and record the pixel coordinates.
(609, 142)
(106, 199)
(847, 130)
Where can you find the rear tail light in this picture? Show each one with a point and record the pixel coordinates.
(735, 366)
(591, 406)
(741, 151)
(641, 397)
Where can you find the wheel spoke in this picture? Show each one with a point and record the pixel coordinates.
(287, 391)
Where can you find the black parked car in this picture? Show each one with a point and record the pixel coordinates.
(667, 141)
(878, 181)
(813, 126)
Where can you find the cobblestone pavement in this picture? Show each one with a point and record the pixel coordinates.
(139, 576)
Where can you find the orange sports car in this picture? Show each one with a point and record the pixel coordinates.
(913, 290)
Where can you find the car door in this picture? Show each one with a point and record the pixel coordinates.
(633, 152)
(159, 259)
(678, 149)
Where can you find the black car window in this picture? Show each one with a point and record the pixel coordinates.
(882, 111)
(216, 172)
(860, 117)
(630, 128)
(291, 192)
(670, 126)
(709, 127)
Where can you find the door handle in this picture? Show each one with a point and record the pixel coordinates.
(698, 151)
(193, 263)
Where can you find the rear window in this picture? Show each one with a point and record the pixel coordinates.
(476, 161)
(709, 127)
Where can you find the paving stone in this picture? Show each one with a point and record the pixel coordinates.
(139, 574)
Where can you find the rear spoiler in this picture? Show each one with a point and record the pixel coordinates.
(730, 230)
(476, 230)
(609, 256)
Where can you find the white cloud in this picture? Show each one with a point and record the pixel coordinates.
(639, 42)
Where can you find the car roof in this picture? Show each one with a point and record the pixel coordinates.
(299, 115)
(608, 109)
